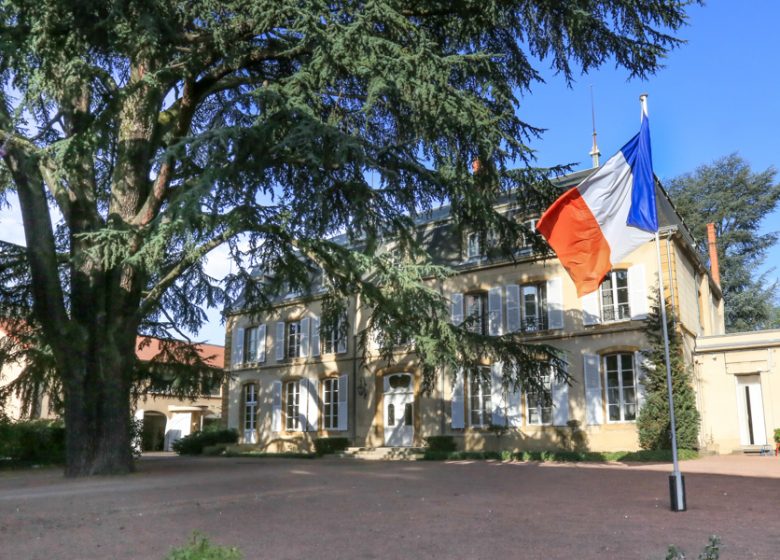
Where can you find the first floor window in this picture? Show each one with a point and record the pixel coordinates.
(614, 296)
(334, 336)
(533, 307)
(293, 339)
(292, 394)
(250, 345)
(539, 402)
(250, 407)
(476, 312)
(479, 397)
(620, 387)
(330, 403)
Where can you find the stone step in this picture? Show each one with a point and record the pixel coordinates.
(384, 453)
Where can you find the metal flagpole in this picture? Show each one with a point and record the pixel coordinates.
(676, 482)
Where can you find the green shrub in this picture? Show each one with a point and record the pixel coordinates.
(324, 446)
(201, 549)
(33, 441)
(441, 443)
(663, 455)
(777, 435)
(193, 444)
(710, 552)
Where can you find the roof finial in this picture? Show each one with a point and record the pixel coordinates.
(643, 101)
(594, 151)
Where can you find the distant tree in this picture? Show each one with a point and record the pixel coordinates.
(733, 197)
(139, 136)
(654, 423)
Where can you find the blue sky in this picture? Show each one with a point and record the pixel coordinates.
(717, 94)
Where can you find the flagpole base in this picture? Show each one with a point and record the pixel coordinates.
(677, 492)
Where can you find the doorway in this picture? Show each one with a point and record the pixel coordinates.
(399, 410)
(750, 405)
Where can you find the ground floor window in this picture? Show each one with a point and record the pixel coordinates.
(539, 402)
(250, 407)
(330, 403)
(292, 397)
(479, 397)
(620, 387)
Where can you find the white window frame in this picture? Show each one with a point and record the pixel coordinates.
(615, 293)
(335, 335)
(540, 322)
(292, 345)
(621, 402)
(473, 245)
(250, 344)
(330, 403)
(292, 406)
(531, 406)
(250, 407)
(481, 298)
(525, 241)
(480, 394)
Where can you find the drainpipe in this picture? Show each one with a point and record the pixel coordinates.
(714, 267)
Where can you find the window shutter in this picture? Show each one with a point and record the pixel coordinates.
(457, 402)
(637, 292)
(315, 336)
(276, 418)
(237, 352)
(260, 343)
(497, 397)
(312, 403)
(279, 342)
(494, 311)
(457, 308)
(304, 348)
(343, 329)
(555, 303)
(514, 409)
(640, 360)
(560, 398)
(593, 401)
(343, 402)
(590, 308)
(512, 308)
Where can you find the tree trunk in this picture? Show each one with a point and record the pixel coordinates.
(97, 411)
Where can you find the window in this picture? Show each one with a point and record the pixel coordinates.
(476, 312)
(614, 296)
(250, 408)
(620, 387)
(526, 241)
(473, 245)
(334, 336)
(250, 344)
(479, 397)
(539, 402)
(292, 395)
(293, 339)
(533, 307)
(330, 403)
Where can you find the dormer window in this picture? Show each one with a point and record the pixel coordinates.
(473, 245)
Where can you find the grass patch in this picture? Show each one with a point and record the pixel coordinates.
(560, 456)
(200, 548)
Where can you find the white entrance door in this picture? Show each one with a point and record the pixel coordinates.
(178, 427)
(399, 410)
(752, 429)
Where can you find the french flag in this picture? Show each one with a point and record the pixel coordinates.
(595, 225)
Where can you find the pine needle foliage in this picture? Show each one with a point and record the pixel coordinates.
(653, 423)
(160, 131)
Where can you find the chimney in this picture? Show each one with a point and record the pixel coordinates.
(714, 268)
(476, 165)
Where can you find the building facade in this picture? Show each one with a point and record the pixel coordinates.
(293, 380)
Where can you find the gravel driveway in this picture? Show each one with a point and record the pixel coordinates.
(336, 509)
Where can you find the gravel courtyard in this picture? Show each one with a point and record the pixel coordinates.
(336, 509)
